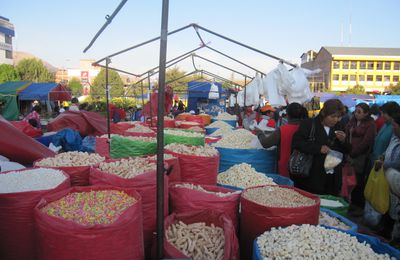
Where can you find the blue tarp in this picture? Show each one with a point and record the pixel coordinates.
(199, 89)
(37, 91)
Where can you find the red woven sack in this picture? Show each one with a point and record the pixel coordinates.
(255, 219)
(175, 174)
(17, 237)
(197, 169)
(146, 185)
(187, 200)
(65, 240)
(219, 219)
(103, 147)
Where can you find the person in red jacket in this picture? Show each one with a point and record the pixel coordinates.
(361, 131)
(282, 137)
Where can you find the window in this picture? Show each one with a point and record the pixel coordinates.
(387, 65)
(8, 39)
(396, 79)
(336, 64)
(396, 65)
(386, 78)
(363, 65)
(378, 78)
(379, 65)
(352, 77)
(345, 65)
(353, 65)
(345, 77)
(370, 77)
(361, 78)
(370, 65)
(9, 55)
(335, 77)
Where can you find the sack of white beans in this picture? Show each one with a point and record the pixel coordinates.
(20, 191)
(95, 222)
(140, 174)
(270, 206)
(198, 164)
(75, 164)
(186, 236)
(186, 197)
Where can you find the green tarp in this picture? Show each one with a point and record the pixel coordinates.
(8, 98)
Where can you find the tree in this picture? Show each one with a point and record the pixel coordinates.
(98, 87)
(34, 70)
(8, 73)
(76, 87)
(357, 89)
(395, 89)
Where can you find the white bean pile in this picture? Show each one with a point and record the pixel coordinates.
(166, 157)
(182, 133)
(226, 116)
(205, 151)
(222, 132)
(325, 219)
(140, 129)
(237, 139)
(271, 196)
(30, 180)
(142, 138)
(71, 159)
(219, 124)
(313, 242)
(244, 176)
(197, 240)
(199, 188)
(128, 168)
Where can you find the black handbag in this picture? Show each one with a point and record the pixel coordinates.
(300, 163)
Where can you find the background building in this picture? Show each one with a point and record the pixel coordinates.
(6, 47)
(345, 67)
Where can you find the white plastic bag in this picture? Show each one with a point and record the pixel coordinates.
(270, 85)
(232, 100)
(332, 159)
(393, 177)
(240, 98)
(214, 92)
(252, 95)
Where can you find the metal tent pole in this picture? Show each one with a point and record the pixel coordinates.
(108, 61)
(141, 87)
(151, 108)
(160, 130)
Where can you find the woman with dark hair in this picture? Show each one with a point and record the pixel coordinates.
(361, 131)
(33, 117)
(282, 137)
(329, 135)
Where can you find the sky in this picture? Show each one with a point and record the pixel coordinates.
(58, 31)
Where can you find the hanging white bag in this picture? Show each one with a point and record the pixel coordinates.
(214, 92)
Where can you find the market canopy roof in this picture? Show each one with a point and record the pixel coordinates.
(13, 87)
(45, 91)
(200, 89)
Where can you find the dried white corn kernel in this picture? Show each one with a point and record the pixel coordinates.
(237, 139)
(71, 159)
(128, 168)
(226, 116)
(243, 176)
(313, 242)
(140, 129)
(325, 219)
(206, 151)
(182, 133)
(219, 124)
(199, 188)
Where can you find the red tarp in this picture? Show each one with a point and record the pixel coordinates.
(60, 93)
(19, 147)
(87, 123)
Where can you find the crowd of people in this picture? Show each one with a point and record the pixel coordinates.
(368, 138)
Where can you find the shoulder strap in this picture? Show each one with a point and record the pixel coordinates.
(311, 137)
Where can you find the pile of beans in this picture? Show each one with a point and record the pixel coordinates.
(140, 129)
(182, 133)
(219, 124)
(206, 151)
(226, 116)
(128, 168)
(325, 219)
(71, 159)
(90, 208)
(30, 180)
(313, 242)
(237, 139)
(197, 240)
(274, 196)
(199, 188)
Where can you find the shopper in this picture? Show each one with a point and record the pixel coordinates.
(282, 137)
(361, 131)
(329, 135)
(33, 117)
(266, 118)
(74, 104)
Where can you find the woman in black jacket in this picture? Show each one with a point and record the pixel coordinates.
(329, 135)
